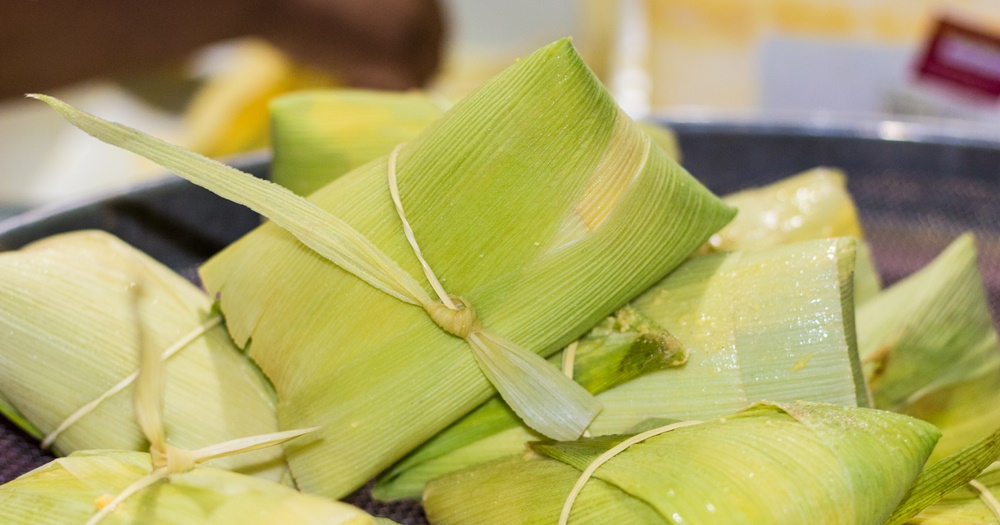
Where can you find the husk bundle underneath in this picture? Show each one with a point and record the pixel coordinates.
(768, 464)
(73, 310)
(70, 490)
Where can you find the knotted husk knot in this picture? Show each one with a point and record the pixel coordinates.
(175, 460)
(459, 322)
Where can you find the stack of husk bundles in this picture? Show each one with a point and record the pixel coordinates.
(537, 202)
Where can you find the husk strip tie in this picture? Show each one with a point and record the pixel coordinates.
(607, 456)
(167, 459)
(128, 380)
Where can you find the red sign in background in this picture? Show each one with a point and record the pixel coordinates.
(964, 58)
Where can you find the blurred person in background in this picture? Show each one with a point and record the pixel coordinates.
(385, 44)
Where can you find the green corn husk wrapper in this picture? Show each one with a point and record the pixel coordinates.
(535, 198)
(930, 348)
(772, 324)
(67, 491)
(317, 136)
(964, 506)
(768, 464)
(814, 204)
(70, 306)
(623, 347)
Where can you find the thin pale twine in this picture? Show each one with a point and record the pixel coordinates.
(178, 461)
(428, 272)
(605, 457)
(987, 497)
(124, 383)
(568, 363)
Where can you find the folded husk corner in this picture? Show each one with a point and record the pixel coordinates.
(69, 306)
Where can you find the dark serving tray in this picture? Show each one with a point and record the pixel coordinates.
(917, 187)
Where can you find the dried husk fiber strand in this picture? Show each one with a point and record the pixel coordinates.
(69, 308)
(930, 348)
(768, 464)
(946, 476)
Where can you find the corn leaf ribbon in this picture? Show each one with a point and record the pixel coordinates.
(547, 400)
(167, 460)
(89, 407)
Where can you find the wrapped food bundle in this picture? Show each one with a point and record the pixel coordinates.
(449, 253)
(768, 464)
(72, 317)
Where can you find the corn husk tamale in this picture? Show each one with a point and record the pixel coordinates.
(814, 204)
(68, 317)
(317, 136)
(623, 347)
(68, 491)
(768, 464)
(168, 485)
(774, 324)
(930, 348)
(536, 200)
(320, 135)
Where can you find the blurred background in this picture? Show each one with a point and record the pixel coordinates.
(208, 86)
